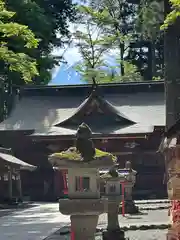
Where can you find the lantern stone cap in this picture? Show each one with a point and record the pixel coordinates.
(121, 174)
(112, 175)
(109, 177)
(126, 171)
(72, 159)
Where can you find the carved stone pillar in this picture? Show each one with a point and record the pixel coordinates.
(84, 226)
(113, 229)
(113, 209)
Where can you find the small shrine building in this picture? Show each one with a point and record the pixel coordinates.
(127, 120)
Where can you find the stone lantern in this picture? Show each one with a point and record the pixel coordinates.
(114, 194)
(84, 203)
(130, 179)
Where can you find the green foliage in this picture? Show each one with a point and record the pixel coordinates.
(92, 43)
(173, 15)
(131, 73)
(45, 19)
(11, 60)
(101, 35)
(147, 51)
(118, 22)
(73, 154)
(150, 18)
(133, 36)
(29, 31)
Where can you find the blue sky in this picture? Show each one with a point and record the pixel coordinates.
(65, 74)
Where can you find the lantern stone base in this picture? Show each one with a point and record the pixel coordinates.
(84, 215)
(113, 230)
(113, 234)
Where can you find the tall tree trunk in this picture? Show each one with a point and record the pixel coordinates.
(121, 46)
(172, 75)
(153, 59)
(172, 70)
(150, 61)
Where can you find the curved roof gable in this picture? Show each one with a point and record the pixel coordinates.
(96, 112)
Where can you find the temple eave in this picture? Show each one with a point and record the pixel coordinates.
(62, 133)
(97, 106)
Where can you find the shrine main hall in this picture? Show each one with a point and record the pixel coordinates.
(127, 120)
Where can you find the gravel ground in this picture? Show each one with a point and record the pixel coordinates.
(153, 217)
(131, 235)
(147, 235)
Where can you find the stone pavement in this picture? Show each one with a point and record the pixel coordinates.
(131, 235)
(147, 235)
(153, 217)
(34, 223)
(43, 219)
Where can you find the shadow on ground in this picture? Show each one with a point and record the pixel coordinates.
(35, 223)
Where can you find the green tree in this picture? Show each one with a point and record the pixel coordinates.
(173, 15)
(49, 21)
(95, 42)
(131, 73)
(92, 44)
(11, 60)
(147, 50)
(16, 61)
(172, 59)
(119, 21)
(150, 18)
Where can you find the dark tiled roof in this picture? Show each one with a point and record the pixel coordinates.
(7, 159)
(43, 111)
(85, 90)
(98, 113)
(59, 131)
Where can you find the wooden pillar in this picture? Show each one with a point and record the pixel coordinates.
(10, 183)
(18, 182)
